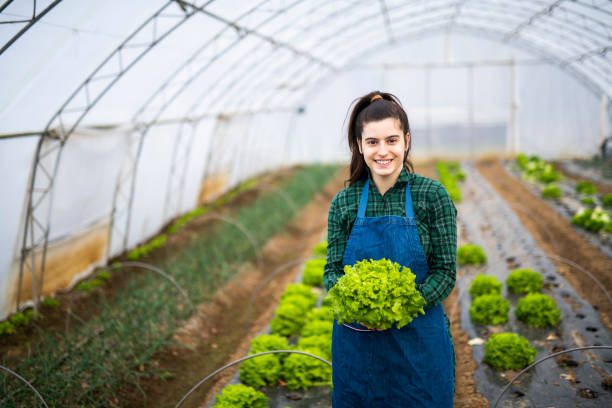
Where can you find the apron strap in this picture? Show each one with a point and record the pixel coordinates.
(408, 202)
(363, 201)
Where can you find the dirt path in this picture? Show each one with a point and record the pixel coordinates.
(220, 333)
(555, 235)
(465, 366)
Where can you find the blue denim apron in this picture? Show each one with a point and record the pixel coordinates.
(408, 367)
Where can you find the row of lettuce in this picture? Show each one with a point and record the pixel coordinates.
(297, 325)
(592, 216)
(508, 350)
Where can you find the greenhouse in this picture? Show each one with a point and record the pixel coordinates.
(173, 177)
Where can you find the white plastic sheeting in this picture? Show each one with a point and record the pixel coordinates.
(219, 91)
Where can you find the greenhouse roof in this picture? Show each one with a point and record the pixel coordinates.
(212, 57)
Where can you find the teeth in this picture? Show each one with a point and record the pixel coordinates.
(383, 161)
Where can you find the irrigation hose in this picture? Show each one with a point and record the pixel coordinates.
(241, 360)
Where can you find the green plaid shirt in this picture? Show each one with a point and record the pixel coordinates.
(436, 219)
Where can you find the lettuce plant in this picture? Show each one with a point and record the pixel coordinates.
(313, 272)
(538, 310)
(592, 219)
(508, 351)
(485, 285)
(316, 327)
(524, 281)
(299, 289)
(551, 191)
(489, 309)
(303, 372)
(587, 200)
(268, 342)
(320, 341)
(241, 396)
(290, 316)
(266, 369)
(470, 254)
(261, 371)
(7, 328)
(320, 249)
(586, 187)
(606, 200)
(376, 293)
(324, 313)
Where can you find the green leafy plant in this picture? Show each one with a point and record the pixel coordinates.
(50, 302)
(22, 318)
(313, 272)
(261, 370)
(538, 310)
(291, 315)
(7, 328)
(145, 249)
(535, 169)
(266, 369)
(448, 176)
(586, 187)
(471, 254)
(299, 289)
(303, 372)
(241, 396)
(508, 351)
(184, 219)
(321, 342)
(320, 249)
(489, 309)
(552, 191)
(268, 342)
(592, 219)
(606, 200)
(324, 313)
(485, 285)
(524, 281)
(85, 286)
(588, 201)
(376, 293)
(317, 327)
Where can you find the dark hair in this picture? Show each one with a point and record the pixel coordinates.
(365, 111)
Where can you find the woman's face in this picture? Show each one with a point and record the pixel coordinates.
(383, 144)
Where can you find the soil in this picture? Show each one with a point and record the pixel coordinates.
(219, 334)
(555, 235)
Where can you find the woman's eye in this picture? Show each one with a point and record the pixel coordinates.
(392, 141)
(371, 142)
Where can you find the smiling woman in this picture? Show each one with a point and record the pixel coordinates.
(389, 212)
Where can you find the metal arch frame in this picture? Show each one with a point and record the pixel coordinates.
(574, 72)
(241, 33)
(31, 21)
(54, 137)
(563, 64)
